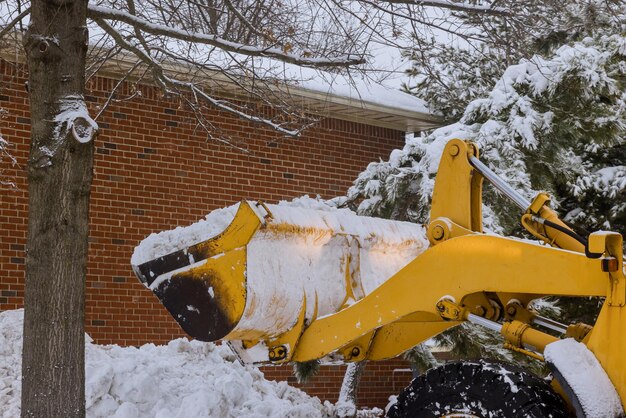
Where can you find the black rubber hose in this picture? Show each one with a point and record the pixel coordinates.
(572, 234)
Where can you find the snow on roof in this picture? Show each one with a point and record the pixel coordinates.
(371, 94)
(357, 88)
(362, 100)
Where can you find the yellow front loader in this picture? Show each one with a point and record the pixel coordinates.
(287, 284)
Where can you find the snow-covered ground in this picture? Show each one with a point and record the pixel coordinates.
(181, 379)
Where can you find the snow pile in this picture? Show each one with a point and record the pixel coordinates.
(181, 379)
(585, 377)
(10, 363)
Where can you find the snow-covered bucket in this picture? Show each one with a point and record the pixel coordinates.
(247, 272)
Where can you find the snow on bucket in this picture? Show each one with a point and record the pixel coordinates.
(247, 272)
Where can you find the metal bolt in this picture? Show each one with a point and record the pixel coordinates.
(278, 353)
(454, 150)
(355, 351)
(480, 310)
(438, 232)
(511, 310)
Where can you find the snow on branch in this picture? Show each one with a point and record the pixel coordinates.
(73, 117)
(224, 106)
(173, 85)
(99, 13)
(5, 155)
(451, 5)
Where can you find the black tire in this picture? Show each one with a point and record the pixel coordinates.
(481, 389)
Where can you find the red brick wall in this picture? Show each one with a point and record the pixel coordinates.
(155, 170)
(380, 380)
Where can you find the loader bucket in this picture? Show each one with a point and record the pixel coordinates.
(203, 286)
(271, 264)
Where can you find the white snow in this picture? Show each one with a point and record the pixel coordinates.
(586, 377)
(10, 363)
(181, 379)
(162, 243)
(356, 88)
(73, 117)
(345, 404)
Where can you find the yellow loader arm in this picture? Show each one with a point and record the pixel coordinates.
(416, 291)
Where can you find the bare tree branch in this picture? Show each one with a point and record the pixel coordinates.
(222, 105)
(415, 20)
(97, 12)
(117, 86)
(192, 87)
(241, 17)
(461, 7)
(14, 22)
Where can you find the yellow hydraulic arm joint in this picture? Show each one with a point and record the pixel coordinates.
(519, 336)
(610, 244)
(456, 207)
(534, 222)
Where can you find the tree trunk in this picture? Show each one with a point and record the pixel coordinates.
(346, 406)
(59, 173)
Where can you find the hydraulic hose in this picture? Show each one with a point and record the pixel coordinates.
(568, 232)
(524, 204)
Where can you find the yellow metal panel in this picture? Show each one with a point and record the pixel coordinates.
(237, 234)
(608, 342)
(457, 267)
(458, 187)
(400, 336)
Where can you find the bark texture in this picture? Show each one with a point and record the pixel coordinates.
(59, 173)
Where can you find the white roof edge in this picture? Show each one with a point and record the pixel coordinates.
(414, 120)
(324, 99)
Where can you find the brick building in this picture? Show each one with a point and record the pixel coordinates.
(154, 170)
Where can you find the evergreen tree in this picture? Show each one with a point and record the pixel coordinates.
(555, 123)
(466, 54)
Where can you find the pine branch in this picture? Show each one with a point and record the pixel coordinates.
(306, 370)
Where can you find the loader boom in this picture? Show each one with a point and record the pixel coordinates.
(464, 275)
